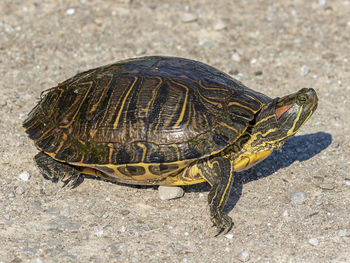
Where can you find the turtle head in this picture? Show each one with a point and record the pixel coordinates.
(283, 117)
(294, 110)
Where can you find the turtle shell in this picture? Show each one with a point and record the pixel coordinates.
(145, 110)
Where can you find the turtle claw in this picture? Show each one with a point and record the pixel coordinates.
(72, 181)
(223, 223)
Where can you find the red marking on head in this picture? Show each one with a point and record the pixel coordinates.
(282, 110)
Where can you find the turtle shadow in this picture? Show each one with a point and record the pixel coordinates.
(298, 148)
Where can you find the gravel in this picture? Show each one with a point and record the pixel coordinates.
(42, 43)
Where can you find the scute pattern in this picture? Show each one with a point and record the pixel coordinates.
(146, 110)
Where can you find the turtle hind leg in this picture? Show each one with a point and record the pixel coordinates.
(56, 171)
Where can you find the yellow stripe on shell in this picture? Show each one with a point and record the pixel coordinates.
(182, 114)
(243, 106)
(115, 125)
(144, 149)
(204, 87)
(77, 111)
(218, 104)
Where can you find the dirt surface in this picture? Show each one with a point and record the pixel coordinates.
(293, 207)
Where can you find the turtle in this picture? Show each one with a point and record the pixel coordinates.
(161, 120)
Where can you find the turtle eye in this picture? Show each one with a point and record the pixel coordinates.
(302, 99)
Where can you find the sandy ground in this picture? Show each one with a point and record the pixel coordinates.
(293, 207)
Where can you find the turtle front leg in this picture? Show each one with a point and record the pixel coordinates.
(56, 171)
(219, 174)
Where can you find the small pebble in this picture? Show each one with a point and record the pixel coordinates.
(99, 233)
(105, 215)
(7, 217)
(188, 17)
(322, 2)
(20, 190)
(258, 73)
(271, 9)
(235, 57)
(313, 241)
(286, 213)
(298, 197)
(24, 176)
(220, 25)
(11, 194)
(335, 144)
(233, 72)
(70, 11)
(244, 256)
(318, 203)
(39, 260)
(326, 186)
(122, 229)
(343, 233)
(229, 236)
(170, 192)
(304, 70)
(347, 181)
(140, 51)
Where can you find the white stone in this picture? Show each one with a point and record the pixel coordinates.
(235, 57)
(229, 236)
(344, 233)
(298, 197)
(271, 9)
(244, 256)
(170, 192)
(188, 17)
(99, 233)
(347, 181)
(70, 11)
(313, 241)
(24, 176)
(286, 213)
(220, 25)
(304, 70)
(253, 61)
